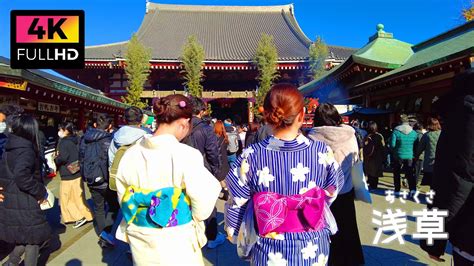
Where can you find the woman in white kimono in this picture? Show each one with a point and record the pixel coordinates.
(165, 191)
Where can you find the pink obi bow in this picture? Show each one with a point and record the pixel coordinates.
(283, 214)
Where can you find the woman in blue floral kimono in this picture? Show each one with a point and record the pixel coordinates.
(286, 182)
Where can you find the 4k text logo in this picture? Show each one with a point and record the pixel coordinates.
(47, 39)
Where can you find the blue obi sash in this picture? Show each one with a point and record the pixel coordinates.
(166, 207)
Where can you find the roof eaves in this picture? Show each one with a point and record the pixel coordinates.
(405, 70)
(468, 26)
(312, 86)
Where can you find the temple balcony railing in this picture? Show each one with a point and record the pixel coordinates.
(205, 94)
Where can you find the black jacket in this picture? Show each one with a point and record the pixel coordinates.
(374, 155)
(21, 219)
(104, 139)
(453, 179)
(68, 153)
(204, 139)
(224, 163)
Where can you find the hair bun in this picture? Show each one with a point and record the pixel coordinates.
(161, 107)
(277, 116)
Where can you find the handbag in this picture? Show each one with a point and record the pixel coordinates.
(74, 167)
(49, 203)
(360, 185)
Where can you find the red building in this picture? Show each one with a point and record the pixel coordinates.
(229, 35)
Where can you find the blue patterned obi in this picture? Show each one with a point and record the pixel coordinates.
(166, 207)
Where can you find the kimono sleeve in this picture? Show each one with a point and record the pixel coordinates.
(240, 194)
(201, 186)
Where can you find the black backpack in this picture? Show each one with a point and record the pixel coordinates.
(93, 164)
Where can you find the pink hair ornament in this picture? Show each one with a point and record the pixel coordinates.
(182, 104)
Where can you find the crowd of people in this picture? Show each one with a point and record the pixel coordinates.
(288, 192)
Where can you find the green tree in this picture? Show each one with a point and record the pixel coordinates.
(468, 13)
(318, 52)
(265, 59)
(137, 68)
(192, 60)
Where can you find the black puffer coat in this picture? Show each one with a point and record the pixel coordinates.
(68, 153)
(21, 219)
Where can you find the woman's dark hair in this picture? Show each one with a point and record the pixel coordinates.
(372, 127)
(282, 104)
(101, 121)
(133, 115)
(198, 105)
(418, 126)
(172, 108)
(326, 115)
(69, 127)
(26, 126)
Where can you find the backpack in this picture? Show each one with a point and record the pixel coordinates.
(233, 145)
(93, 165)
(115, 165)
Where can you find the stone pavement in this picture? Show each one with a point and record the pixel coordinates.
(79, 246)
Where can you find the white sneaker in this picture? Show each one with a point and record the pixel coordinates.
(220, 239)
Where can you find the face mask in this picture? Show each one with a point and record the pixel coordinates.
(60, 134)
(3, 127)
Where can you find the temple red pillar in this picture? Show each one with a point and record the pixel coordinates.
(81, 119)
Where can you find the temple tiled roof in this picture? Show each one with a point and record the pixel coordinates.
(442, 48)
(228, 33)
(382, 51)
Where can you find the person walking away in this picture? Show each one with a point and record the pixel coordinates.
(251, 136)
(453, 172)
(94, 162)
(374, 155)
(427, 148)
(361, 134)
(6, 111)
(22, 222)
(402, 143)
(166, 191)
(74, 209)
(128, 134)
(203, 138)
(277, 173)
(242, 134)
(420, 131)
(219, 129)
(346, 248)
(234, 141)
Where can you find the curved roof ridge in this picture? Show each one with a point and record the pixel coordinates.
(296, 27)
(106, 44)
(342, 47)
(219, 8)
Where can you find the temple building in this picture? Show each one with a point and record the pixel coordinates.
(398, 77)
(229, 35)
(52, 98)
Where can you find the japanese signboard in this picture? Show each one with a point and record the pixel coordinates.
(47, 107)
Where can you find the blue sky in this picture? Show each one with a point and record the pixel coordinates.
(339, 22)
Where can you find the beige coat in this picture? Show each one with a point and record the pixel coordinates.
(343, 142)
(159, 162)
